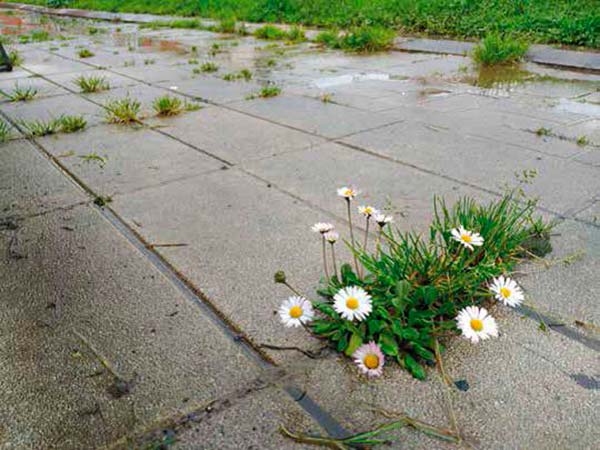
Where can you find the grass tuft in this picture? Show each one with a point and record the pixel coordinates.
(123, 111)
(270, 33)
(85, 53)
(4, 131)
(498, 49)
(243, 74)
(38, 128)
(363, 39)
(72, 124)
(21, 94)
(209, 67)
(168, 105)
(92, 84)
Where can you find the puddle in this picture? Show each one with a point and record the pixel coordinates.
(342, 80)
(500, 77)
(160, 45)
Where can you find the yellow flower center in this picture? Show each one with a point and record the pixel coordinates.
(371, 361)
(295, 312)
(466, 238)
(348, 192)
(505, 292)
(352, 303)
(477, 324)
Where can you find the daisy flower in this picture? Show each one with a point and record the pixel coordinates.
(347, 192)
(476, 324)
(331, 236)
(322, 227)
(383, 219)
(369, 359)
(467, 238)
(352, 302)
(367, 211)
(296, 311)
(507, 291)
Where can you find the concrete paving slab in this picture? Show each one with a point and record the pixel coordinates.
(213, 89)
(453, 156)
(91, 321)
(29, 184)
(238, 232)
(233, 136)
(134, 158)
(251, 423)
(171, 75)
(570, 287)
(314, 116)
(315, 174)
(49, 108)
(51, 64)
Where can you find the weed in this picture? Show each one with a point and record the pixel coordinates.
(4, 131)
(269, 91)
(149, 61)
(296, 34)
(72, 124)
(329, 38)
(543, 131)
(92, 83)
(367, 39)
(498, 49)
(102, 200)
(15, 58)
(38, 128)
(209, 67)
(270, 33)
(124, 111)
(582, 141)
(327, 98)
(244, 74)
(193, 61)
(192, 106)
(168, 105)
(85, 53)
(39, 36)
(95, 158)
(21, 94)
(227, 25)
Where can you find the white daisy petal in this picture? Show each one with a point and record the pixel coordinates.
(468, 239)
(507, 291)
(331, 236)
(322, 227)
(296, 311)
(370, 359)
(476, 324)
(382, 219)
(367, 211)
(352, 302)
(347, 192)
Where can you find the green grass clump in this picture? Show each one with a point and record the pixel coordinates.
(569, 22)
(123, 111)
(168, 105)
(4, 131)
(419, 282)
(364, 39)
(209, 67)
(21, 94)
(243, 74)
(92, 84)
(227, 25)
(38, 128)
(72, 124)
(269, 91)
(15, 58)
(270, 33)
(85, 53)
(498, 49)
(329, 38)
(296, 34)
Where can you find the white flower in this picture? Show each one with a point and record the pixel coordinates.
(369, 359)
(476, 324)
(295, 311)
(352, 302)
(467, 238)
(383, 219)
(347, 192)
(173, 88)
(331, 236)
(322, 227)
(367, 211)
(507, 291)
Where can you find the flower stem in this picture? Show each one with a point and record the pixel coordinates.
(291, 288)
(352, 237)
(325, 257)
(366, 234)
(335, 272)
(378, 245)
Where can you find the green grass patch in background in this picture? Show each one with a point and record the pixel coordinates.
(497, 49)
(570, 22)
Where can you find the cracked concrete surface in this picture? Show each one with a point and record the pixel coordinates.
(133, 325)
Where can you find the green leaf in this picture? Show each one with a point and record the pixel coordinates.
(374, 326)
(423, 352)
(403, 289)
(409, 334)
(355, 342)
(348, 275)
(323, 327)
(388, 344)
(414, 367)
(342, 343)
